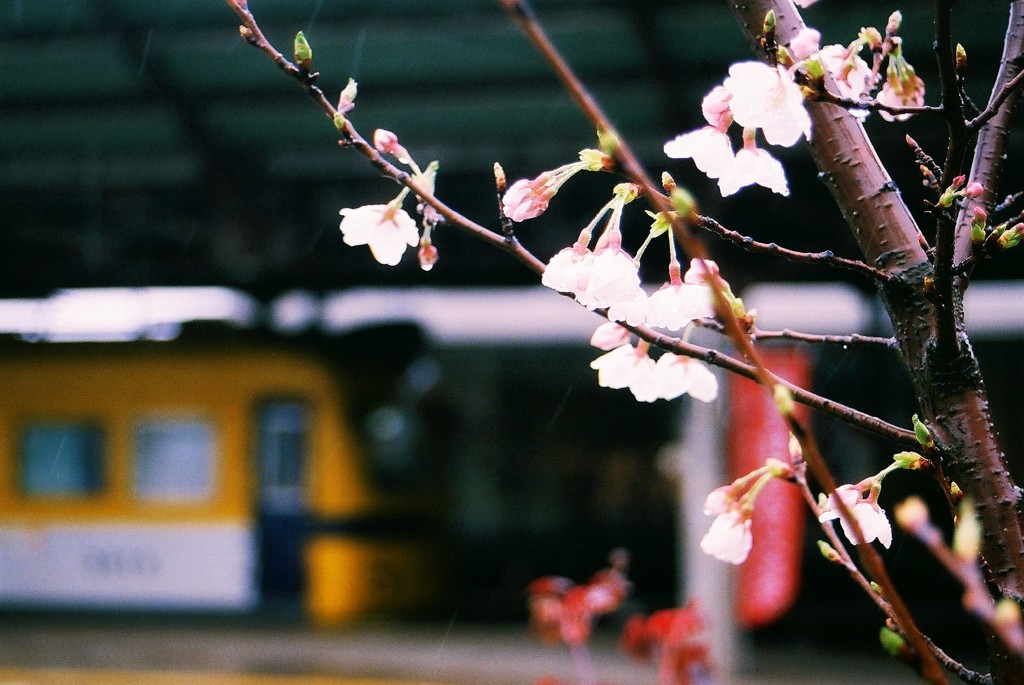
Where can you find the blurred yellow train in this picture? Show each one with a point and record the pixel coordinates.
(171, 475)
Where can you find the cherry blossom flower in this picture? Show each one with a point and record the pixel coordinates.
(805, 44)
(700, 271)
(529, 198)
(729, 538)
(569, 270)
(708, 147)
(614, 279)
(609, 335)
(679, 375)
(615, 368)
(386, 229)
(675, 306)
(753, 165)
(715, 108)
(768, 98)
(852, 75)
(629, 367)
(633, 312)
(870, 517)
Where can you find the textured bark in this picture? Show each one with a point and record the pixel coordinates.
(948, 386)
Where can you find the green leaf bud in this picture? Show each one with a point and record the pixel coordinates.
(303, 52)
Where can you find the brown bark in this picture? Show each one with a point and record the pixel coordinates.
(948, 385)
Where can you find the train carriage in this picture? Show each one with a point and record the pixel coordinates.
(170, 475)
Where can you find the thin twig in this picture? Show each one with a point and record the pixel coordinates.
(760, 335)
(827, 257)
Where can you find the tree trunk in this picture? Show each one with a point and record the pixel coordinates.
(948, 385)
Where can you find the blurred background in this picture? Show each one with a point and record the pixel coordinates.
(277, 427)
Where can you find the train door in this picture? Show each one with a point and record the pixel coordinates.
(282, 446)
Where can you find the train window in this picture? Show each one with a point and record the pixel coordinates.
(174, 459)
(283, 428)
(60, 459)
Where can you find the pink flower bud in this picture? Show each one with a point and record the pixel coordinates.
(385, 141)
(974, 190)
(609, 335)
(715, 107)
(427, 255)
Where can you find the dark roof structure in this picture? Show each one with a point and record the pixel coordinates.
(144, 143)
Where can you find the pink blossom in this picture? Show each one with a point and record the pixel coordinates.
(768, 98)
(386, 229)
(675, 306)
(720, 500)
(753, 165)
(700, 271)
(569, 270)
(645, 382)
(633, 312)
(614, 279)
(708, 147)
(729, 538)
(870, 517)
(805, 3)
(684, 376)
(617, 368)
(526, 199)
(609, 335)
(805, 44)
(974, 190)
(387, 143)
(851, 74)
(630, 367)
(715, 108)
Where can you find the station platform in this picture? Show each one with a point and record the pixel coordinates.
(67, 650)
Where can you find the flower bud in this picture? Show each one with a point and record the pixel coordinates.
(893, 25)
(829, 552)
(499, 178)
(955, 493)
(667, 182)
(979, 219)
(768, 27)
(684, 204)
(246, 33)
(347, 101)
(783, 399)
(340, 122)
(924, 436)
(778, 468)
(871, 37)
(1007, 617)
(961, 57)
(974, 190)
(427, 254)
(893, 643)
(911, 514)
(1011, 237)
(596, 160)
(911, 461)
(302, 51)
(608, 141)
(967, 534)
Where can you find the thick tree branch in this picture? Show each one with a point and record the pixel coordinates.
(993, 136)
